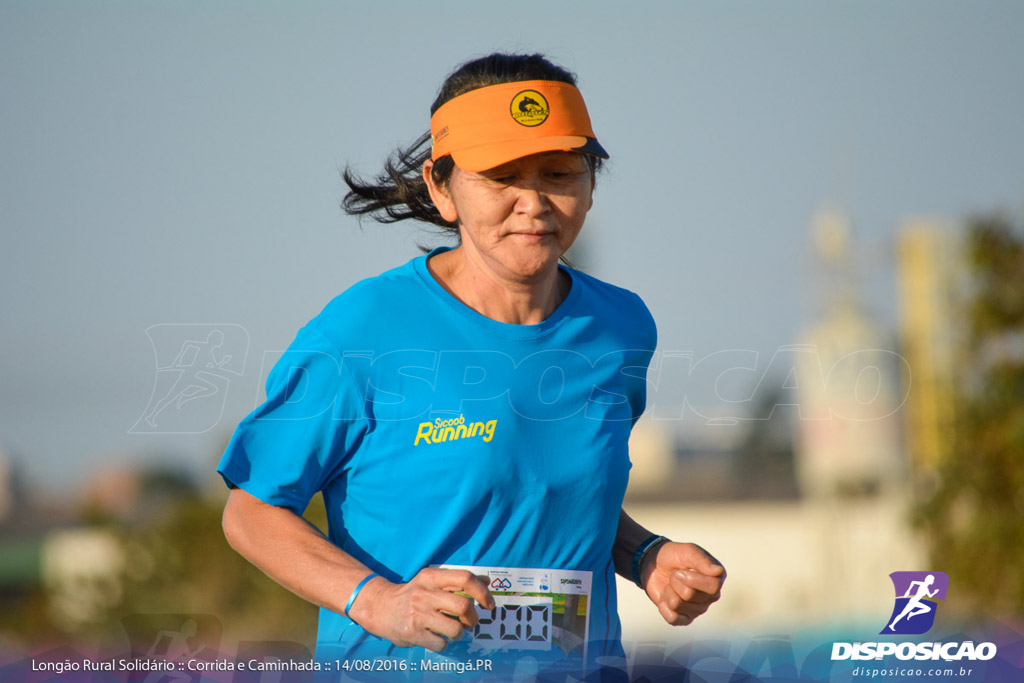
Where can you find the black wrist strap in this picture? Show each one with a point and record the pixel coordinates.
(649, 544)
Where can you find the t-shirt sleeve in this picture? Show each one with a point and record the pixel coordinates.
(299, 440)
(647, 342)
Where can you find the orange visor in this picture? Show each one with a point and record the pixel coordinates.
(493, 125)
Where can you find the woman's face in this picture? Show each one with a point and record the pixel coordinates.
(519, 218)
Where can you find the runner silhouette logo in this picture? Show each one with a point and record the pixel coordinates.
(917, 594)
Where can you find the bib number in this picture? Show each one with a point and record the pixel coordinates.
(534, 609)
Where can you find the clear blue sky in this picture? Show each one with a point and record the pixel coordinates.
(178, 163)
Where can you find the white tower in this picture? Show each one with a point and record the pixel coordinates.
(849, 386)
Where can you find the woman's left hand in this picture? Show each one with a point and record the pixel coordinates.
(682, 579)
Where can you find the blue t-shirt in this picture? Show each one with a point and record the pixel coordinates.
(440, 436)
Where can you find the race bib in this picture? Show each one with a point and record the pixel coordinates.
(534, 609)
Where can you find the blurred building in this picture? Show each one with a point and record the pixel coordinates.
(81, 571)
(20, 534)
(656, 444)
(68, 548)
(6, 486)
(113, 492)
(850, 387)
(819, 551)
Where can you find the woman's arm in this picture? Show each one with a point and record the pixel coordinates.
(295, 554)
(682, 579)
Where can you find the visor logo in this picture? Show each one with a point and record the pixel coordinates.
(529, 108)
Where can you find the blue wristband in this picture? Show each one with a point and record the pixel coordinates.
(359, 587)
(641, 551)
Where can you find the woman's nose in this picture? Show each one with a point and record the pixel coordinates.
(531, 197)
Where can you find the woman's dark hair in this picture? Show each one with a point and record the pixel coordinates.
(399, 192)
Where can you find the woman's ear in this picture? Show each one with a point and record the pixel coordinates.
(439, 194)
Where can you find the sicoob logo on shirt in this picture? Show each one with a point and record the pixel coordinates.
(440, 430)
(529, 108)
(916, 594)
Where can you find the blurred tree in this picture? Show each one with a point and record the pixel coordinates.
(974, 517)
(184, 564)
(175, 561)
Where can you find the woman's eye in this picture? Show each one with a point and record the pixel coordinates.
(564, 175)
